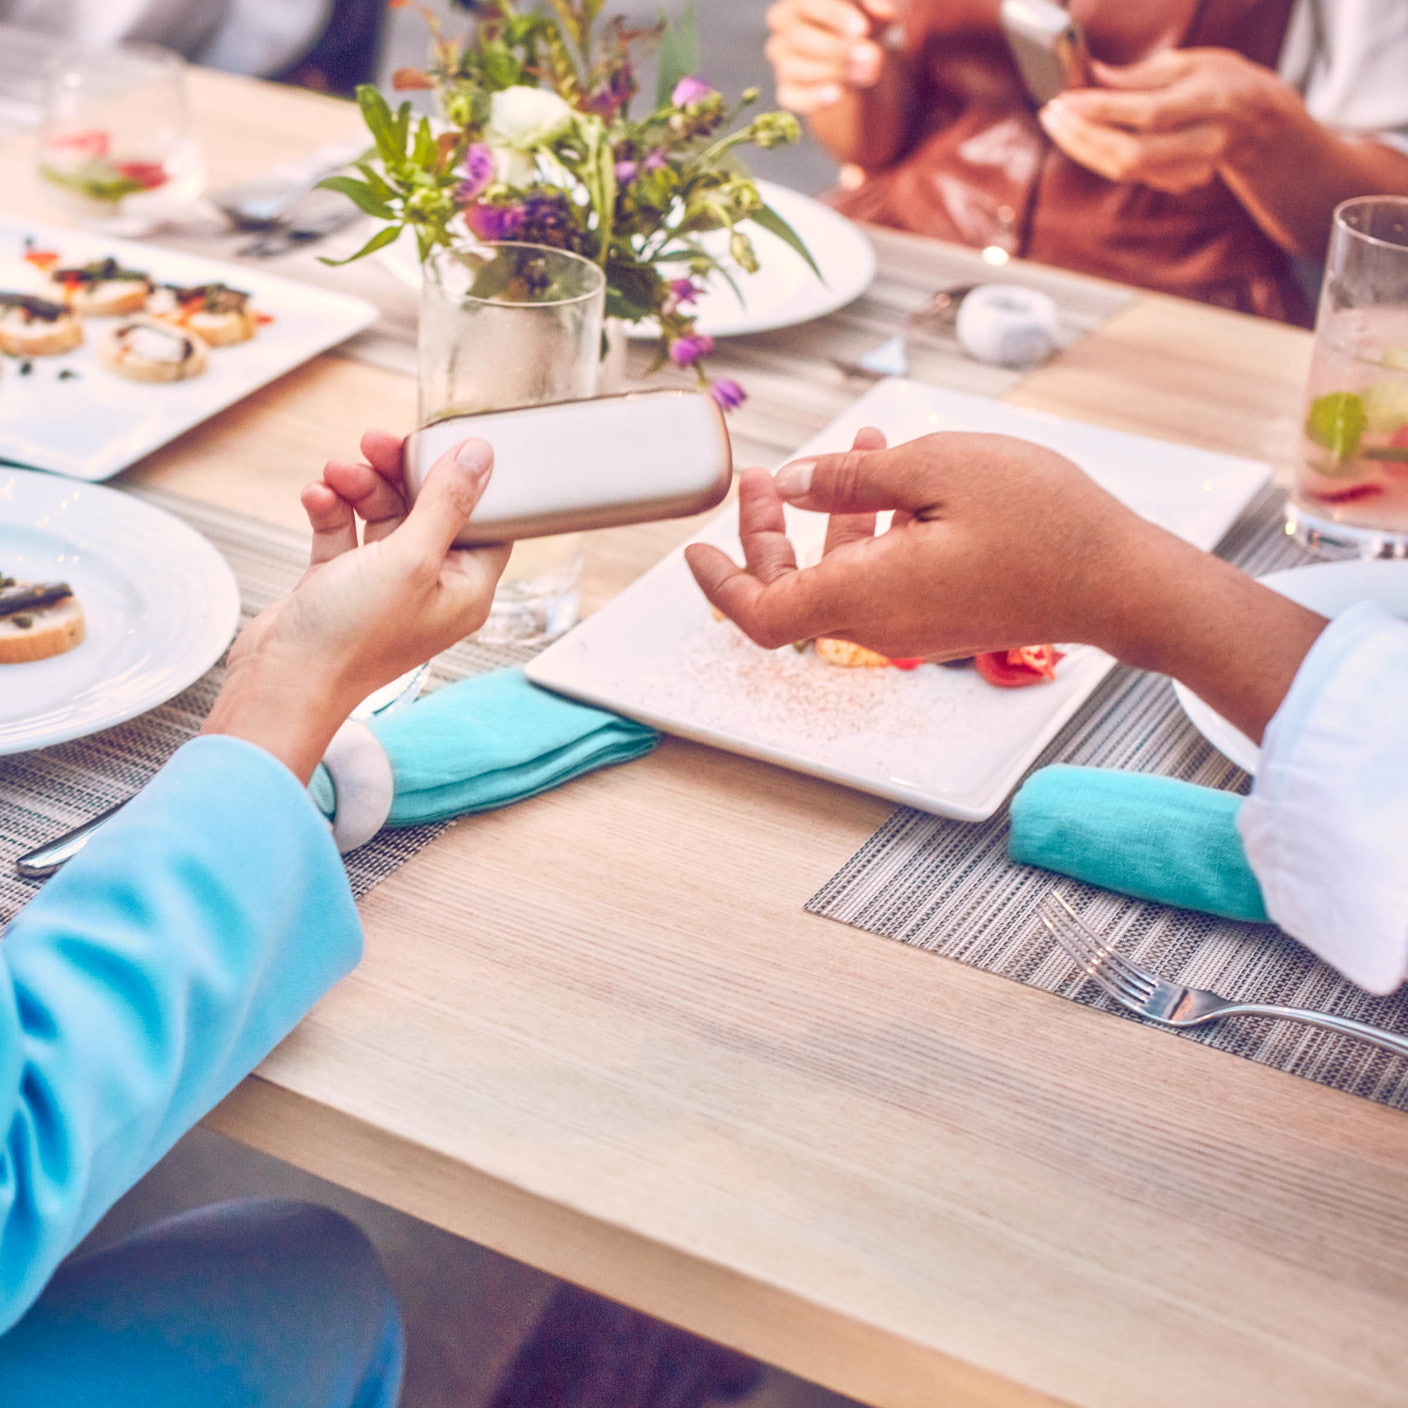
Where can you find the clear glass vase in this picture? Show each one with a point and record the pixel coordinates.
(502, 326)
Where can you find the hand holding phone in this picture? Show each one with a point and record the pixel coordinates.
(587, 464)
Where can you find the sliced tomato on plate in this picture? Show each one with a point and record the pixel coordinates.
(1015, 669)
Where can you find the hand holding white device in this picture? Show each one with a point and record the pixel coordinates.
(587, 464)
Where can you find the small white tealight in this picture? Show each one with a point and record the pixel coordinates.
(1006, 325)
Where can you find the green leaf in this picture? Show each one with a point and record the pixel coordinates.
(383, 188)
(501, 68)
(679, 52)
(402, 128)
(620, 305)
(360, 194)
(380, 240)
(774, 224)
(426, 151)
(376, 113)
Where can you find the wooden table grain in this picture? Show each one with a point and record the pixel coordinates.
(597, 1031)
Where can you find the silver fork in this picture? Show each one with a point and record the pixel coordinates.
(1148, 995)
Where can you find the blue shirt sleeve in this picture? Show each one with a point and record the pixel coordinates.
(147, 979)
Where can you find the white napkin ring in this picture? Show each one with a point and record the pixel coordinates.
(363, 785)
(1007, 325)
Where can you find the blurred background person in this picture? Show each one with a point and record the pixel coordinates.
(1206, 159)
(326, 44)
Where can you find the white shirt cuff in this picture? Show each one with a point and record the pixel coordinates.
(1326, 828)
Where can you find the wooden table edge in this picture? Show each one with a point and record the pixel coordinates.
(827, 1348)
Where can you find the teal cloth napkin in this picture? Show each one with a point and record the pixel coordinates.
(1150, 837)
(490, 740)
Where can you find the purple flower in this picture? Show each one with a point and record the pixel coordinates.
(689, 91)
(655, 160)
(619, 89)
(479, 171)
(684, 291)
(626, 172)
(494, 222)
(692, 347)
(728, 395)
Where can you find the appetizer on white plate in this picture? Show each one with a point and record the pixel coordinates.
(148, 349)
(219, 313)
(101, 289)
(37, 620)
(36, 327)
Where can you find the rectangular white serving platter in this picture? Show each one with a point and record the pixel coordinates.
(939, 739)
(95, 425)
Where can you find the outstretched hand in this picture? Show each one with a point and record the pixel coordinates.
(994, 544)
(998, 544)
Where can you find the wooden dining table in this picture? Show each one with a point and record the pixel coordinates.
(597, 1031)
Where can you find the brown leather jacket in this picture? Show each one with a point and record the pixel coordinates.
(980, 170)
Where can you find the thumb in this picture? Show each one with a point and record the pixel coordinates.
(1157, 71)
(451, 491)
(860, 481)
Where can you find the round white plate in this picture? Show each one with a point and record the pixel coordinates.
(784, 291)
(160, 603)
(1327, 587)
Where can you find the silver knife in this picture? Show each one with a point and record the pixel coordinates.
(42, 863)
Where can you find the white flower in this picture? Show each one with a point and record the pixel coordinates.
(524, 118)
(515, 168)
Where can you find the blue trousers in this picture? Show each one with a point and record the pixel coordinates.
(243, 1305)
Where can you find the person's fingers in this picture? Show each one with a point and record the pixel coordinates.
(843, 528)
(385, 453)
(762, 528)
(1124, 156)
(333, 523)
(808, 100)
(801, 71)
(452, 489)
(376, 501)
(839, 16)
(1157, 71)
(794, 607)
(1141, 110)
(865, 481)
(807, 41)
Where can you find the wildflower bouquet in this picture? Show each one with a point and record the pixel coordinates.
(536, 142)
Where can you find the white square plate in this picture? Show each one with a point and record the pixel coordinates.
(96, 424)
(934, 738)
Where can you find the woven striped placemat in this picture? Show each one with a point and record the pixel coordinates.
(948, 887)
(46, 793)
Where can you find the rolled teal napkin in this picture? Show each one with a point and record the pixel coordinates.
(1150, 837)
(490, 740)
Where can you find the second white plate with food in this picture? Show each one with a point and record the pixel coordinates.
(783, 293)
(1327, 587)
(160, 606)
(935, 738)
(70, 414)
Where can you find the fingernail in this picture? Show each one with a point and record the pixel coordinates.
(794, 480)
(856, 25)
(859, 63)
(475, 456)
